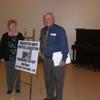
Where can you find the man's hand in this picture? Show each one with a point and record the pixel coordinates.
(2, 60)
(42, 56)
(62, 63)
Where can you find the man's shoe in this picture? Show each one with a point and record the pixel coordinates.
(18, 91)
(55, 98)
(50, 99)
(47, 99)
(9, 92)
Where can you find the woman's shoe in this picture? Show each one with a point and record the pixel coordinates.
(9, 92)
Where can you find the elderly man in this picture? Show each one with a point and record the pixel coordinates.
(53, 39)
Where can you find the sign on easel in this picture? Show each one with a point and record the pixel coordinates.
(27, 56)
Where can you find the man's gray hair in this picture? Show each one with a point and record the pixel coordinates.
(49, 13)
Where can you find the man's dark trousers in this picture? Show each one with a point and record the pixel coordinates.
(54, 79)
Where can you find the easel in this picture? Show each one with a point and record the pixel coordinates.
(30, 87)
(28, 84)
(31, 71)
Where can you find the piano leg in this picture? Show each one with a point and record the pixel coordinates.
(74, 57)
(73, 53)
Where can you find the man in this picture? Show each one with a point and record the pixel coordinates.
(53, 39)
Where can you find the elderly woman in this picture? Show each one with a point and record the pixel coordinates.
(8, 49)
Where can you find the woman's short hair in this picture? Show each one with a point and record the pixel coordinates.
(12, 21)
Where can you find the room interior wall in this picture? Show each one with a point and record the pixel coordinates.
(70, 14)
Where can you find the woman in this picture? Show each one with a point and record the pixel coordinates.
(8, 49)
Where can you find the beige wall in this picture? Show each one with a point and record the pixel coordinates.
(69, 13)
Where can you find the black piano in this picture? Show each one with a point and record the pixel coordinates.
(86, 49)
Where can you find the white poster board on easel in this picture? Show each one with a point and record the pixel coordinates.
(27, 56)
